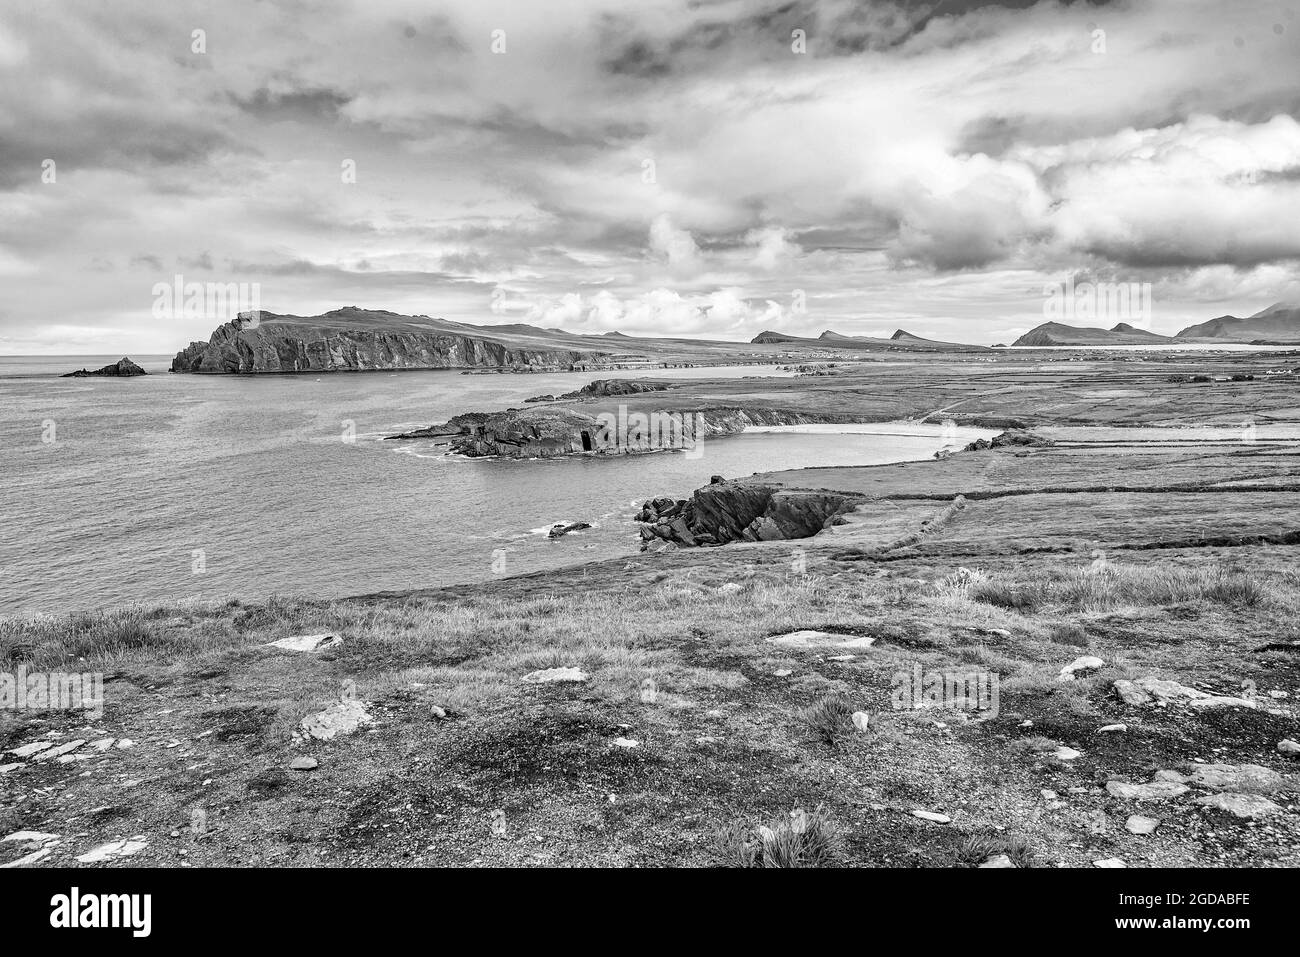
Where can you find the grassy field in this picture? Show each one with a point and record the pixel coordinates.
(747, 752)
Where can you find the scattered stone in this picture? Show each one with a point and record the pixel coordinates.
(30, 859)
(60, 750)
(1286, 746)
(1066, 754)
(112, 851)
(1137, 824)
(1130, 693)
(1173, 776)
(303, 764)
(783, 672)
(998, 860)
(438, 712)
(30, 837)
(841, 657)
(308, 643)
(1086, 663)
(6, 768)
(1049, 795)
(27, 750)
(1242, 778)
(1242, 805)
(819, 639)
(861, 720)
(1155, 791)
(730, 588)
(103, 744)
(341, 719)
(1112, 728)
(626, 743)
(932, 816)
(125, 744)
(548, 675)
(1109, 862)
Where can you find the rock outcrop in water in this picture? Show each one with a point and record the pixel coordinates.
(353, 339)
(122, 367)
(548, 431)
(723, 512)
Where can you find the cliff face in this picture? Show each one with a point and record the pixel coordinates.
(356, 340)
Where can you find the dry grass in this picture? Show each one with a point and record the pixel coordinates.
(796, 841)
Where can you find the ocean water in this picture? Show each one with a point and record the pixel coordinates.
(169, 487)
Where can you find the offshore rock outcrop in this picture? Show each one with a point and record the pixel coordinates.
(723, 512)
(544, 432)
(122, 367)
(352, 339)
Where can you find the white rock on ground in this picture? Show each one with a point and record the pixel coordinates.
(30, 837)
(998, 860)
(1242, 805)
(341, 719)
(1112, 728)
(548, 675)
(1086, 663)
(1109, 862)
(626, 743)
(1146, 690)
(6, 768)
(112, 851)
(60, 750)
(821, 639)
(1155, 791)
(1287, 746)
(27, 750)
(303, 764)
(1066, 754)
(1137, 824)
(932, 816)
(306, 643)
(30, 859)
(1241, 778)
(1219, 701)
(861, 720)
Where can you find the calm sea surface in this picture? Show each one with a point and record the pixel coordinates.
(170, 487)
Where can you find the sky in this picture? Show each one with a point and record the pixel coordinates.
(712, 169)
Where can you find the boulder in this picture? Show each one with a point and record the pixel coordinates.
(1242, 805)
(561, 529)
(122, 367)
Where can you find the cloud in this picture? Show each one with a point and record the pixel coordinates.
(926, 163)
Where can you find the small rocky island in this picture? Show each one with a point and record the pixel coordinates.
(122, 367)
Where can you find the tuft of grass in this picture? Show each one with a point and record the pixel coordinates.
(797, 840)
(829, 719)
(1067, 633)
(978, 848)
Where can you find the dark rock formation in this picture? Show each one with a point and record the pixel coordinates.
(603, 388)
(122, 367)
(723, 512)
(355, 339)
(1010, 438)
(541, 398)
(559, 530)
(542, 432)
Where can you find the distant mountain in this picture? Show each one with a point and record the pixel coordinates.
(1280, 322)
(1059, 334)
(900, 341)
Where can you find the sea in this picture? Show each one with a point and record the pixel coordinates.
(169, 488)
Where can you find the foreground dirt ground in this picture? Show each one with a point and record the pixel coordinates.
(691, 729)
